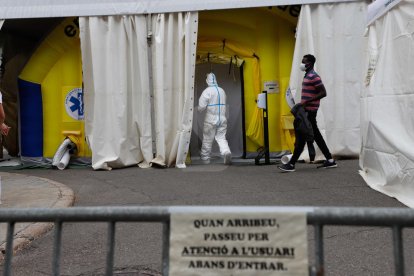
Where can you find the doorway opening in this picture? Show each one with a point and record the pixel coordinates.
(230, 78)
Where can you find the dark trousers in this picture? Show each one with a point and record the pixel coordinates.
(300, 141)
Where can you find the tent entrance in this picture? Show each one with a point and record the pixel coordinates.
(230, 79)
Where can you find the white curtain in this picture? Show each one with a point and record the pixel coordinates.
(387, 104)
(173, 67)
(117, 90)
(328, 32)
(118, 67)
(1, 43)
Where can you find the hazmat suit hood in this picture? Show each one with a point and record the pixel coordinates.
(213, 99)
(211, 80)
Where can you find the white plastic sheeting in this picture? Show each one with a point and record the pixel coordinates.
(118, 67)
(387, 104)
(337, 42)
(173, 63)
(1, 47)
(117, 90)
(66, 8)
(378, 8)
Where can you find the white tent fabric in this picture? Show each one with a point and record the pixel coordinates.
(118, 67)
(378, 8)
(1, 46)
(387, 103)
(67, 8)
(173, 56)
(117, 90)
(326, 31)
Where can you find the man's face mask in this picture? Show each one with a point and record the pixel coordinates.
(303, 66)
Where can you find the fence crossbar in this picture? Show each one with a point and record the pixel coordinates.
(318, 217)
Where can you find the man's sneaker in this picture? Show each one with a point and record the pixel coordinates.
(227, 158)
(328, 165)
(287, 167)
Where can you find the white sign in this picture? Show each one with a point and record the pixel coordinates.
(242, 244)
(261, 100)
(74, 104)
(271, 86)
(290, 98)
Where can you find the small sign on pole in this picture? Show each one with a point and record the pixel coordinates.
(238, 244)
(271, 87)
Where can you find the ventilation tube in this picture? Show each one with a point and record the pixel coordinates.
(62, 155)
(63, 163)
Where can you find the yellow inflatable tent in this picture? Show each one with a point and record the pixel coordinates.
(262, 40)
(51, 95)
(259, 39)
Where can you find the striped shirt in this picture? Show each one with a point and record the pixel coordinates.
(311, 80)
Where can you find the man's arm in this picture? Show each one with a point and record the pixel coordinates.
(2, 114)
(321, 94)
(4, 129)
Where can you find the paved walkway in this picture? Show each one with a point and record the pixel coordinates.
(22, 191)
(242, 184)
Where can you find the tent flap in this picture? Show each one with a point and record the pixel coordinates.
(387, 124)
(120, 120)
(173, 69)
(326, 32)
(117, 99)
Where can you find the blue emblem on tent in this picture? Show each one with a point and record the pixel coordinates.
(74, 104)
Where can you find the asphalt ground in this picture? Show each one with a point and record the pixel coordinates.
(348, 250)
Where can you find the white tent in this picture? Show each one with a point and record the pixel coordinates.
(123, 128)
(121, 74)
(387, 102)
(325, 31)
(370, 89)
(66, 8)
(379, 112)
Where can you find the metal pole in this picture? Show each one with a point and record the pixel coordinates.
(57, 248)
(111, 249)
(398, 250)
(266, 132)
(9, 248)
(319, 249)
(165, 247)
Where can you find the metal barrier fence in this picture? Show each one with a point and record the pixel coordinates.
(318, 217)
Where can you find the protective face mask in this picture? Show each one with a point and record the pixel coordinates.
(303, 66)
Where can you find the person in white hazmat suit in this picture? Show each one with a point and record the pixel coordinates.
(213, 99)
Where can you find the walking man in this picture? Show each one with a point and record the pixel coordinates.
(313, 91)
